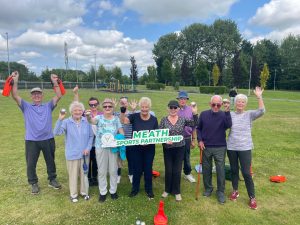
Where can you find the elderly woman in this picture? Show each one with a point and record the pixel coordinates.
(142, 155)
(106, 159)
(239, 144)
(174, 152)
(78, 142)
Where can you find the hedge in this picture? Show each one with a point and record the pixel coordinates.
(218, 90)
(155, 86)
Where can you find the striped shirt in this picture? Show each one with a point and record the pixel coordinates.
(240, 138)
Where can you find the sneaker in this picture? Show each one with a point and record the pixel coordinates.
(130, 178)
(74, 200)
(190, 178)
(114, 196)
(150, 195)
(234, 195)
(252, 203)
(165, 194)
(118, 179)
(132, 194)
(178, 197)
(102, 198)
(54, 184)
(221, 198)
(35, 189)
(207, 193)
(86, 197)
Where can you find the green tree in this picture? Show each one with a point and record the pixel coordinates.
(215, 74)
(167, 72)
(264, 76)
(201, 73)
(152, 73)
(133, 70)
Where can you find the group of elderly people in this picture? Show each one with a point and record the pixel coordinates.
(85, 133)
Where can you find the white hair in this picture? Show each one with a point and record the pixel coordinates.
(145, 100)
(241, 97)
(76, 104)
(216, 96)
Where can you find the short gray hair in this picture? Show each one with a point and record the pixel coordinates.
(241, 97)
(76, 104)
(216, 96)
(145, 100)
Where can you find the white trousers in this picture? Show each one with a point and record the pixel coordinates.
(107, 162)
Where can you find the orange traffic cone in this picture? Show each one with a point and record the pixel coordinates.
(160, 218)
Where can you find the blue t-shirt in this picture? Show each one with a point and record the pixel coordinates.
(105, 126)
(38, 120)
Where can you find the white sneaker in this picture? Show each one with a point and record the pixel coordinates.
(165, 194)
(119, 179)
(190, 178)
(130, 178)
(178, 197)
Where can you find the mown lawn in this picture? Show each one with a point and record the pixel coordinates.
(277, 151)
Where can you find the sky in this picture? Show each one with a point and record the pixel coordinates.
(109, 32)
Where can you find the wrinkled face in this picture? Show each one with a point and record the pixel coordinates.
(173, 110)
(216, 104)
(93, 105)
(107, 108)
(124, 102)
(37, 96)
(182, 101)
(77, 113)
(240, 104)
(145, 109)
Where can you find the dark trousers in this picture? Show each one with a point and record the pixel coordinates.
(32, 153)
(218, 154)
(173, 158)
(142, 158)
(245, 158)
(187, 155)
(93, 168)
(129, 159)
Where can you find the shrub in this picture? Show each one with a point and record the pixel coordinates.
(218, 90)
(289, 85)
(155, 86)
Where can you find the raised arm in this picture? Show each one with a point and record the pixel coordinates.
(258, 92)
(91, 120)
(14, 93)
(76, 95)
(56, 98)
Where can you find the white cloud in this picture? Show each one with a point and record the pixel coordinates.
(278, 14)
(27, 64)
(30, 55)
(49, 14)
(105, 5)
(173, 10)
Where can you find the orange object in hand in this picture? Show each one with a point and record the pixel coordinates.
(61, 87)
(8, 86)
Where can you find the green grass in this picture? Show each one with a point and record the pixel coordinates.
(276, 138)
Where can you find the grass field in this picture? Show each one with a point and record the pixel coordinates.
(277, 151)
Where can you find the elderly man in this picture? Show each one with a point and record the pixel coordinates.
(38, 131)
(211, 134)
(189, 136)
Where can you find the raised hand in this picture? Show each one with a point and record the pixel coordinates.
(62, 115)
(258, 92)
(133, 104)
(15, 75)
(115, 102)
(75, 90)
(54, 78)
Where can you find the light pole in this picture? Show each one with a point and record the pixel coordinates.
(274, 79)
(8, 66)
(95, 73)
(209, 78)
(250, 76)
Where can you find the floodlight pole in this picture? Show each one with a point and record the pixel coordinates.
(8, 66)
(95, 73)
(250, 77)
(274, 79)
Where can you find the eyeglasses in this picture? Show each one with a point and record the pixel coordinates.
(214, 105)
(93, 105)
(107, 106)
(173, 107)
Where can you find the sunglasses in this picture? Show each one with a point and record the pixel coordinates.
(214, 105)
(107, 106)
(93, 105)
(173, 107)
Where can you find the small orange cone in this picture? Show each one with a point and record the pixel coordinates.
(160, 218)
